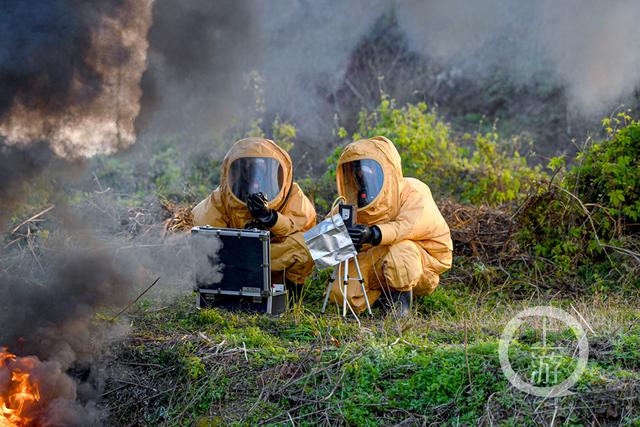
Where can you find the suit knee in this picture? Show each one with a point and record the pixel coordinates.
(403, 265)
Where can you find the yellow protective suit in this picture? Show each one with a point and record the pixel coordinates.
(416, 244)
(296, 213)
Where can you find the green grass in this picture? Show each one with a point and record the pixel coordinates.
(212, 367)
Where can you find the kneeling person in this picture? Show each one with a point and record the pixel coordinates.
(257, 191)
(404, 242)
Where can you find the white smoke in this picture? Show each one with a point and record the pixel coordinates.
(202, 52)
(589, 47)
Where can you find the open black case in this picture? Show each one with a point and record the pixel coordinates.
(233, 270)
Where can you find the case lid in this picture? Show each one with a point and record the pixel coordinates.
(232, 260)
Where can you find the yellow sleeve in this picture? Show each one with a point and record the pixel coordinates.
(419, 218)
(211, 211)
(297, 215)
(403, 226)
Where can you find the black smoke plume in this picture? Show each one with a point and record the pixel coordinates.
(197, 47)
(49, 322)
(70, 72)
(47, 47)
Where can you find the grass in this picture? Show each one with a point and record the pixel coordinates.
(210, 367)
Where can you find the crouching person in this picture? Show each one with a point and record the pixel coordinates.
(257, 191)
(404, 242)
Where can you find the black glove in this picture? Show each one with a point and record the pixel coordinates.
(362, 234)
(259, 209)
(254, 224)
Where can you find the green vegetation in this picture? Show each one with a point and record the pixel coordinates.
(584, 221)
(478, 168)
(212, 367)
(607, 174)
(566, 234)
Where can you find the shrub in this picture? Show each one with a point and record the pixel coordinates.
(478, 168)
(607, 174)
(423, 140)
(583, 222)
(495, 174)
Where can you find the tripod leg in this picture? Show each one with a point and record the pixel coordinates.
(334, 274)
(345, 286)
(364, 290)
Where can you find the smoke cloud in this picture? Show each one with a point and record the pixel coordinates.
(211, 63)
(587, 47)
(59, 300)
(198, 53)
(202, 56)
(48, 311)
(70, 72)
(597, 55)
(69, 84)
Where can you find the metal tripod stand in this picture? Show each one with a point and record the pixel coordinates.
(344, 266)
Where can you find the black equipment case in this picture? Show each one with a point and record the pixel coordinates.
(243, 258)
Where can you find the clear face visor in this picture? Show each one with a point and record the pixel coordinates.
(250, 175)
(361, 181)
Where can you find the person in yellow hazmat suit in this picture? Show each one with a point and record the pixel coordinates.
(405, 243)
(257, 191)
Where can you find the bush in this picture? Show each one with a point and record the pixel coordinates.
(495, 174)
(423, 141)
(607, 175)
(478, 168)
(585, 222)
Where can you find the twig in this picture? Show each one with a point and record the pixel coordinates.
(555, 413)
(635, 255)
(33, 252)
(136, 385)
(466, 352)
(114, 390)
(595, 233)
(135, 300)
(14, 241)
(39, 214)
(583, 319)
(147, 365)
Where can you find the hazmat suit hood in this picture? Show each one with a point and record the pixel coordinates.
(385, 206)
(247, 161)
(259, 148)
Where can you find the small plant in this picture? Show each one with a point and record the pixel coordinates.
(194, 366)
(284, 134)
(440, 301)
(495, 174)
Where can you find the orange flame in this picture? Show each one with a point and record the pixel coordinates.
(20, 394)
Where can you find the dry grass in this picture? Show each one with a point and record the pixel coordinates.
(480, 231)
(181, 217)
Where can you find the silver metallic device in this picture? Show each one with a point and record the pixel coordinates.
(330, 246)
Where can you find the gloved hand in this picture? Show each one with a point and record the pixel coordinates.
(362, 234)
(254, 224)
(259, 209)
